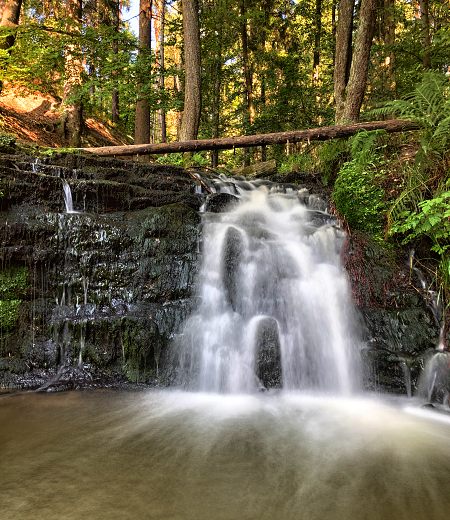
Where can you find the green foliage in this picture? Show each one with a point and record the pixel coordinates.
(184, 159)
(432, 219)
(13, 285)
(9, 313)
(6, 141)
(429, 106)
(13, 282)
(331, 156)
(298, 162)
(418, 209)
(357, 193)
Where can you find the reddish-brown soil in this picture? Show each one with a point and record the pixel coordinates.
(34, 119)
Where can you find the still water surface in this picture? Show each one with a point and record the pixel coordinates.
(193, 456)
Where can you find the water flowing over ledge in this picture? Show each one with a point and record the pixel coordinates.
(275, 306)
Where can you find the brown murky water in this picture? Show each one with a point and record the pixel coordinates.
(181, 456)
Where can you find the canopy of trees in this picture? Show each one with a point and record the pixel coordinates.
(216, 68)
(213, 69)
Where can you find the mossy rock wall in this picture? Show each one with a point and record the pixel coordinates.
(113, 280)
(399, 328)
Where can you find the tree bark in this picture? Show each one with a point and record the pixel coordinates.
(10, 14)
(160, 53)
(388, 35)
(142, 117)
(357, 81)
(73, 69)
(192, 87)
(115, 109)
(228, 143)
(426, 36)
(9, 19)
(317, 38)
(246, 67)
(342, 53)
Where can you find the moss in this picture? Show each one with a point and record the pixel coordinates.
(13, 283)
(9, 313)
(7, 143)
(13, 286)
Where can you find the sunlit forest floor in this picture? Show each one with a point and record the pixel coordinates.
(34, 118)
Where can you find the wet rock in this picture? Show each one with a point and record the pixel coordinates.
(399, 328)
(268, 354)
(218, 202)
(109, 285)
(232, 260)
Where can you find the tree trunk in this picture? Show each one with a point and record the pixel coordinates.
(217, 87)
(10, 14)
(247, 69)
(317, 37)
(426, 36)
(192, 87)
(115, 111)
(142, 118)
(357, 81)
(388, 29)
(228, 143)
(159, 51)
(73, 68)
(9, 19)
(342, 53)
(333, 29)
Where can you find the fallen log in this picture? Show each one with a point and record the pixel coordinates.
(246, 141)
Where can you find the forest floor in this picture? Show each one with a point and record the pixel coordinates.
(34, 119)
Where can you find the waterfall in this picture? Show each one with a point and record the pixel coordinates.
(275, 306)
(67, 192)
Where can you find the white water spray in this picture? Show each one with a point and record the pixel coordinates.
(275, 303)
(67, 192)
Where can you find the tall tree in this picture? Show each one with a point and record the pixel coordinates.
(73, 69)
(343, 53)
(115, 113)
(348, 102)
(424, 9)
(9, 19)
(142, 119)
(192, 87)
(160, 15)
(317, 37)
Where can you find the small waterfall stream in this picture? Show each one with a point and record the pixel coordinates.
(275, 307)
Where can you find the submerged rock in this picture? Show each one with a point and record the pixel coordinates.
(268, 354)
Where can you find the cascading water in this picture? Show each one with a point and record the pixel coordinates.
(68, 202)
(275, 307)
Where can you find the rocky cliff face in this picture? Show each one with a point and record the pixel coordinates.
(92, 297)
(400, 331)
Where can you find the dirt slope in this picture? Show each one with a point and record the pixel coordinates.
(34, 119)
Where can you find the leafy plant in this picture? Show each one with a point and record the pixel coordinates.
(429, 106)
(13, 285)
(357, 194)
(6, 142)
(297, 163)
(432, 220)
(9, 313)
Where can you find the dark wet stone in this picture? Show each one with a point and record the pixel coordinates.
(268, 354)
(399, 326)
(233, 247)
(218, 202)
(114, 280)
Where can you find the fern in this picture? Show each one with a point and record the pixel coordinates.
(428, 106)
